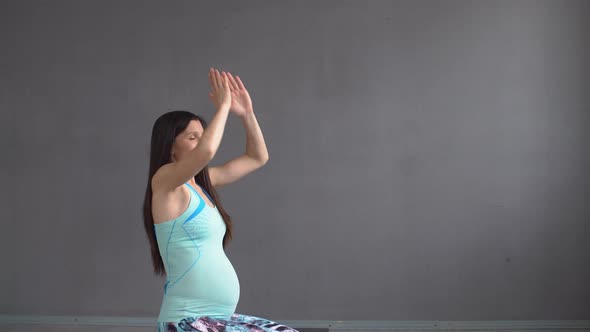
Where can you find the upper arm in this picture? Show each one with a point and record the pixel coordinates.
(173, 175)
(233, 170)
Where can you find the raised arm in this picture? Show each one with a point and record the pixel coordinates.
(173, 175)
(256, 154)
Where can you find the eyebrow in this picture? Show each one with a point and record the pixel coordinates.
(193, 132)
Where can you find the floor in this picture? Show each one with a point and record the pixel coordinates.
(86, 328)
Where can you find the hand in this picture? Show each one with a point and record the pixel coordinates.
(220, 93)
(241, 104)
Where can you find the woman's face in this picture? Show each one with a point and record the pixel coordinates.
(187, 140)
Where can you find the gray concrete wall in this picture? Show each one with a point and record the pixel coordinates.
(428, 159)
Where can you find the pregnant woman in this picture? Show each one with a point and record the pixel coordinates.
(186, 225)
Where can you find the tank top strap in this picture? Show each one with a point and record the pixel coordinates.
(196, 193)
(192, 189)
(206, 193)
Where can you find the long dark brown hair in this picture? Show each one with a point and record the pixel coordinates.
(164, 132)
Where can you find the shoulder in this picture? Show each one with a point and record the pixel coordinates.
(156, 182)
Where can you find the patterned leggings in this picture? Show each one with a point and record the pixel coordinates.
(236, 323)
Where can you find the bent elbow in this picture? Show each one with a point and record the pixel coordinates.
(207, 151)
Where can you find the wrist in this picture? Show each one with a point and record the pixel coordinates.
(246, 115)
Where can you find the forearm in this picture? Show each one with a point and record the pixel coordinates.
(255, 145)
(214, 132)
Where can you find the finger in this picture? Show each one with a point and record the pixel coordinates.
(226, 81)
(240, 84)
(234, 85)
(211, 77)
(219, 79)
(215, 79)
(223, 80)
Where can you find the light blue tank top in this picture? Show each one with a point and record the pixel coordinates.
(200, 279)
